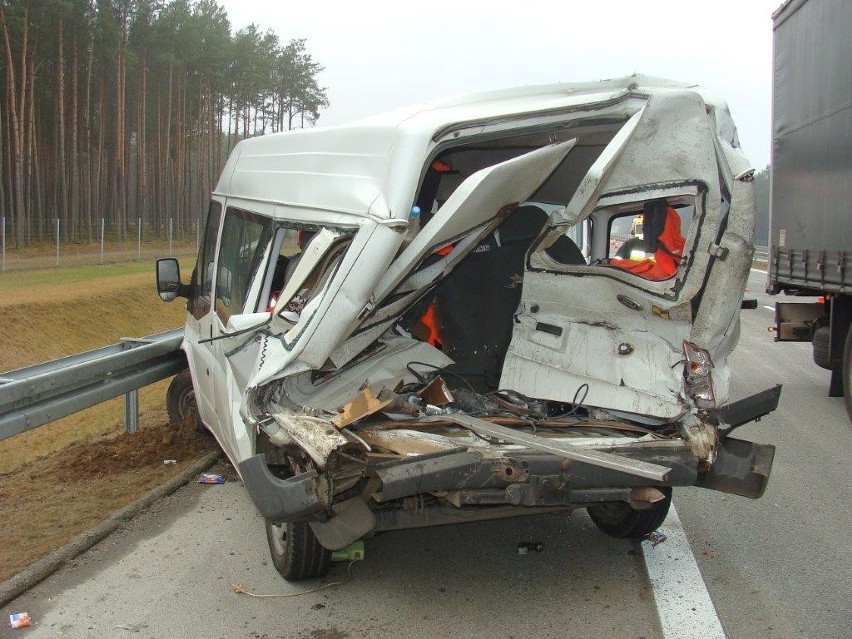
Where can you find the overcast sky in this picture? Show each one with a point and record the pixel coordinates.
(379, 55)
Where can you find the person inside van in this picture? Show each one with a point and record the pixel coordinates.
(663, 241)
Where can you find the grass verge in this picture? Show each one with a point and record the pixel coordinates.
(62, 478)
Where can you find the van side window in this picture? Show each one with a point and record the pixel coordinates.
(649, 241)
(202, 276)
(244, 239)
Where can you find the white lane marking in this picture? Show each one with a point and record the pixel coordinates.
(757, 270)
(769, 308)
(683, 602)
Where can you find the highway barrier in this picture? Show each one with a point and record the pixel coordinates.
(36, 395)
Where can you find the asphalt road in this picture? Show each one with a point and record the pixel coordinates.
(781, 566)
(776, 567)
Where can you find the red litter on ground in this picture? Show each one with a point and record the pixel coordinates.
(20, 620)
(209, 478)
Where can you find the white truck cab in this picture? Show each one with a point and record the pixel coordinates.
(422, 318)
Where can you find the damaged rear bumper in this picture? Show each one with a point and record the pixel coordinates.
(519, 481)
(279, 499)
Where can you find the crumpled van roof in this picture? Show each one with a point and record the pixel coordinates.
(371, 167)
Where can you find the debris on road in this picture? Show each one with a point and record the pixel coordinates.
(352, 552)
(526, 546)
(210, 478)
(20, 620)
(656, 538)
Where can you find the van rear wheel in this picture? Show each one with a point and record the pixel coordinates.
(295, 551)
(622, 521)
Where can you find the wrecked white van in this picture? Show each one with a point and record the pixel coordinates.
(428, 317)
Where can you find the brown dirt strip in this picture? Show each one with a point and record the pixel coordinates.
(46, 503)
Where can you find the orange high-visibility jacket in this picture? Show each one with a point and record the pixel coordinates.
(665, 261)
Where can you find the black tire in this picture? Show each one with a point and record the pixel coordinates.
(180, 401)
(847, 372)
(821, 343)
(621, 521)
(295, 551)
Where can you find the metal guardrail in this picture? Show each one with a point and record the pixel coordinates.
(33, 396)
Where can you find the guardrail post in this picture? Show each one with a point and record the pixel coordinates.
(131, 411)
(103, 223)
(139, 238)
(57, 242)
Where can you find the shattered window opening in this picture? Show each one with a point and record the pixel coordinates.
(312, 284)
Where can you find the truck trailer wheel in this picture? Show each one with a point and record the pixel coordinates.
(295, 551)
(622, 521)
(180, 401)
(822, 352)
(847, 372)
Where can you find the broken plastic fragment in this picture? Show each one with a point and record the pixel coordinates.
(210, 478)
(352, 552)
(362, 406)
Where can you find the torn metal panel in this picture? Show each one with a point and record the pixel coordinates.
(476, 201)
(646, 379)
(405, 442)
(317, 437)
(561, 449)
(384, 366)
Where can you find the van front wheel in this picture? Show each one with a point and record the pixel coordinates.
(622, 521)
(180, 401)
(295, 551)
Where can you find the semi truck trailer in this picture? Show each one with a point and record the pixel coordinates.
(810, 219)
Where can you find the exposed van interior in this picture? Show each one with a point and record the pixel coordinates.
(469, 315)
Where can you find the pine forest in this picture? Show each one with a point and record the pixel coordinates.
(125, 110)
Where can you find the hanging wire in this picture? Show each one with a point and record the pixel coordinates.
(238, 588)
(440, 369)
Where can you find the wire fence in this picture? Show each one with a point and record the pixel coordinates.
(51, 246)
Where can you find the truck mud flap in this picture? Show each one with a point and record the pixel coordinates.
(280, 500)
(741, 468)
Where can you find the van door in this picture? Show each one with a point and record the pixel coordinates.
(245, 240)
(200, 320)
(611, 334)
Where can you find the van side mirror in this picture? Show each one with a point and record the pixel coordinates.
(169, 285)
